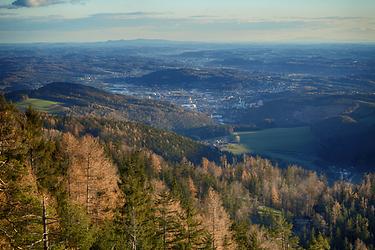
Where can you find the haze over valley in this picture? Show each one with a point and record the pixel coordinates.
(239, 87)
(216, 125)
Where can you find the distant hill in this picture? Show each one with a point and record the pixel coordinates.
(290, 110)
(349, 138)
(76, 99)
(193, 78)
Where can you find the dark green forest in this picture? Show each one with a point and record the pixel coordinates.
(92, 183)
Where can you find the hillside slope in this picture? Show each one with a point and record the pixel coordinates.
(349, 138)
(82, 100)
(95, 192)
(169, 145)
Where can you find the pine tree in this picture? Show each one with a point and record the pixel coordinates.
(194, 236)
(77, 231)
(281, 231)
(168, 218)
(34, 138)
(135, 223)
(242, 236)
(319, 243)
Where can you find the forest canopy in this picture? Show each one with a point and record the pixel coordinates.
(63, 186)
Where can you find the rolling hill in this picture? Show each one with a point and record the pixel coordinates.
(76, 99)
(349, 138)
(194, 79)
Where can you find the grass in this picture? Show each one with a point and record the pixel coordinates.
(292, 145)
(40, 105)
(237, 149)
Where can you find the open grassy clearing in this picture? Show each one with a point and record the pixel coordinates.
(287, 144)
(40, 104)
(236, 148)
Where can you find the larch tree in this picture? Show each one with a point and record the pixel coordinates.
(92, 178)
(360, 245)
(217, 222)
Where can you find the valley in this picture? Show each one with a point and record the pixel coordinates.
(187, 125)
(182, 86)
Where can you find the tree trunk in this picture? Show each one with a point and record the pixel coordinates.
(45, 229)
(87, 183)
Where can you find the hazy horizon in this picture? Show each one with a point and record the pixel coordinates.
(158, 41)
(240, 21)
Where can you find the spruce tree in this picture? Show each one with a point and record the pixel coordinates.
(168, 221)
(194, 235)
(319, 243)
(135, 221)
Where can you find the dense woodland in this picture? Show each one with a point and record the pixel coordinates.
(65, 185)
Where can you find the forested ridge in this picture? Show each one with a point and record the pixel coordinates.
(75, 185)
(171, 146)
(78, 99)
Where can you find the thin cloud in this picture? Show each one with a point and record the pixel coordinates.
(161, 23)
(204, 16)
(37, 3)
(151, 24)
(126, 15)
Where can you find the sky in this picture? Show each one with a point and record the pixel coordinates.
(279, 21)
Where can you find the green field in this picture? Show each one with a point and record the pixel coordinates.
(237, 149)
(293, 145)
(40, 104)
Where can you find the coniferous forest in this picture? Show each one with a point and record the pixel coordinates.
(87, 182)
(187, 125)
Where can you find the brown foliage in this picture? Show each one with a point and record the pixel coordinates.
(217, 222)
(92, 178)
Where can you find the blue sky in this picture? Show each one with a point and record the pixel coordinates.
(192, 20)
